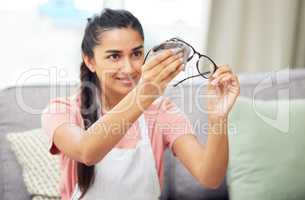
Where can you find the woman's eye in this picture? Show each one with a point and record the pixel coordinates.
(114, 57)
(137, 54)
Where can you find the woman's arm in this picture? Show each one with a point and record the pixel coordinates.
(91, 145)
(208, 163)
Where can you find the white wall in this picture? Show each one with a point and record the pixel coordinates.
(34, 49)
(29, 41)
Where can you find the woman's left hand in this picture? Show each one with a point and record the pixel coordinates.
(223, 90)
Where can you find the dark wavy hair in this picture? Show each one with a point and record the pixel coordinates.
(108, 19)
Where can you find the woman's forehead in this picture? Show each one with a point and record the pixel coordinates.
(120, 39)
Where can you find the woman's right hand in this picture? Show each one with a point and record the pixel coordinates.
(157, 72)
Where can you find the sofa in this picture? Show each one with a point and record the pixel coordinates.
(178, 183)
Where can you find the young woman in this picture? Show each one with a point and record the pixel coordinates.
(112, 134)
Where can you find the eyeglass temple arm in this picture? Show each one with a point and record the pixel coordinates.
(176, 84)
(146, 56)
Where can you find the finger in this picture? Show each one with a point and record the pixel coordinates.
(169, 69)
(157, 59)
(232, 80)
(214, 90)
(220, 78)
(172, 75)
(222, 69)
(172, 59)
(156, 70)
(235, 81)
(224, 80)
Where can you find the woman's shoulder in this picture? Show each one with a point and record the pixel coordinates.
(64, 104)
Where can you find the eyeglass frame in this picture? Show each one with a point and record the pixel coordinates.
(189, 58)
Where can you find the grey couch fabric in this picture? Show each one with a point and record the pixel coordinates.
(178, 182)
(14, 117)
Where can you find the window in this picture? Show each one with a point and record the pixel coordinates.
(41, 34)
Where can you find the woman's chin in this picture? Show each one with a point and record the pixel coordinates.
(124, 89)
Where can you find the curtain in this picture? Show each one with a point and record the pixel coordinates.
(257, 35)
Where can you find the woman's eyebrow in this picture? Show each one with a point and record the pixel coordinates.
(137, 48)
(119, 51)
(113, 51)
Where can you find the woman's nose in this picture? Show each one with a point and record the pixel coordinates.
(127, 66)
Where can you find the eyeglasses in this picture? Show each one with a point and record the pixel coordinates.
(205, 65)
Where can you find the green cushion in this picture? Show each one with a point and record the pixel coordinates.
(267, 150)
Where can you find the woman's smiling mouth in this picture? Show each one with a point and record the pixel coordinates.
(127, 81)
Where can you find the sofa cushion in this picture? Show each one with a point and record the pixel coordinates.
(267, 145)
(40, 169)
(14, 105)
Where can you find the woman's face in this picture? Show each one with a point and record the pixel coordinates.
(118, 60)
